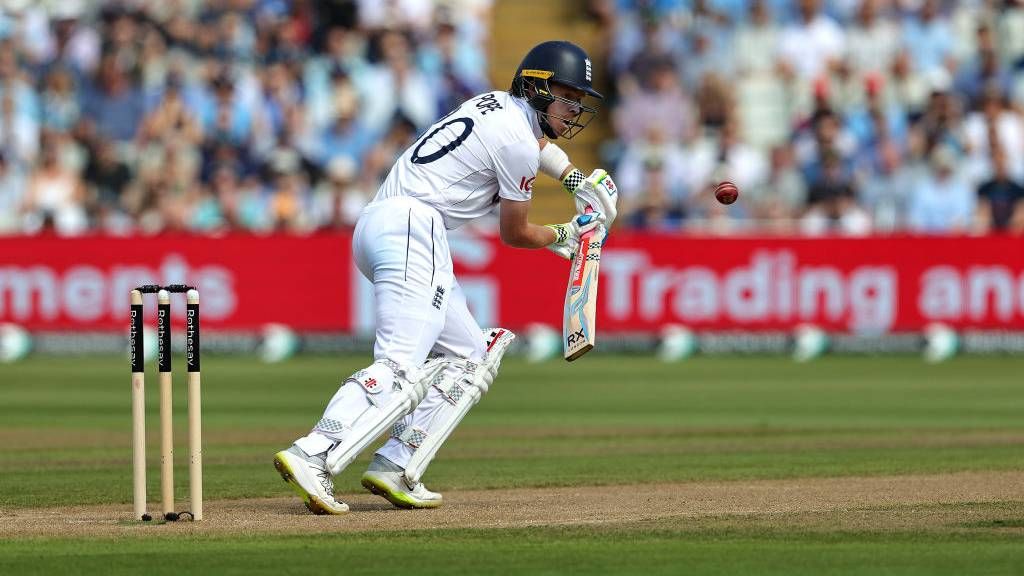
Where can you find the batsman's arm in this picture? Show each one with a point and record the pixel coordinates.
(517, 231)
(555, 163)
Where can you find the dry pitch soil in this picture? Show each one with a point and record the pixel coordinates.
(919, 502)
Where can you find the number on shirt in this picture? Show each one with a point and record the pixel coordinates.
(444, 149)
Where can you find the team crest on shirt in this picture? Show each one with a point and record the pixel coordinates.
(588, 69)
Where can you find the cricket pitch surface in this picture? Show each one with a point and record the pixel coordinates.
(910, 502)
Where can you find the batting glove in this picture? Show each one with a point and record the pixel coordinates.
(567, 236)
(597, 191)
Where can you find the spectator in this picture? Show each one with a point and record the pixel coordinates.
(1000, 201)
(107, 178)
(12, 186)
(60, 104)
(455, 66)
(55, 195)
(872, 42)
(19, 129)
(811, 47)
(984, 72)
(831, 201)
(339, 198)
(942, 201)
(755, 42)
(395, 86)
(347, 134)
(995, 126)
(288, 193)
(171, 120)
(745, 165)
(654, 158)
(661, 103)
(654, 208)
(929, 39)
(824, 136)
(885, 189)
(779, 201)
(112, 103)
(399, 136)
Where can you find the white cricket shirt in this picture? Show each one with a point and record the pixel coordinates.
(485, 149)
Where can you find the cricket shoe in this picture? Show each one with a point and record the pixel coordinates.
(309, 477)
(387, 479)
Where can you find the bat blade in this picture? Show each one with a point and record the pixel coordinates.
(580, 315)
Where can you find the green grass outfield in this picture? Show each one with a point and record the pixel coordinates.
(605, 420)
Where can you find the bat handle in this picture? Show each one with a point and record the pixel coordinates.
(588, 234)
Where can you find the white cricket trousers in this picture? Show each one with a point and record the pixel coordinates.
(400, 244)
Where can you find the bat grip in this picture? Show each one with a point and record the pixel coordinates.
(588, 234)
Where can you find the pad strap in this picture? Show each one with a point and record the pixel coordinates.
(411, 436)
(453, 389)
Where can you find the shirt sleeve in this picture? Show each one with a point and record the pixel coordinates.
(515, 166)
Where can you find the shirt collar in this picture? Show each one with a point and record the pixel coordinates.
(531, 115)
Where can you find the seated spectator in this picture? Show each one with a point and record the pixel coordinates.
(1000, 201)
(654, 207)
(780, 199)
(12, 188)
(227, 116)
(243, 205)
(809, 48)
(112, 103)
(394, 85)
(644, 37)
(831, 202)
(744, 164)
(652, 159)
(995, 126)
(909, 89)
(941, 122)
(708, 53)
(755, 42)
(347, 134)
(60, 107)
(714, 99)
(942, 202)
(339, 199)
(876, 120)
(171, 119)
(54, 195)
(929, 38)
(824, 135)
(400, 135)
(108, 178)
(661, 103)
(288, 193)
(984, 70)
(455, 66)
(885, 188)
(872, 41)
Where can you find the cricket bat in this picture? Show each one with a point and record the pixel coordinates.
(580, 319)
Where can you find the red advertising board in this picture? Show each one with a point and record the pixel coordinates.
(876, 284)
(244, 281)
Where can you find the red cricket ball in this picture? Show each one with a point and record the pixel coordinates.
(727, 192)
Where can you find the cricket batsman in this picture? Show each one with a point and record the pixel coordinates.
(432, 362)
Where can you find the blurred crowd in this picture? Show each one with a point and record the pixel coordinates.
(147, 116)
(845, 116)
